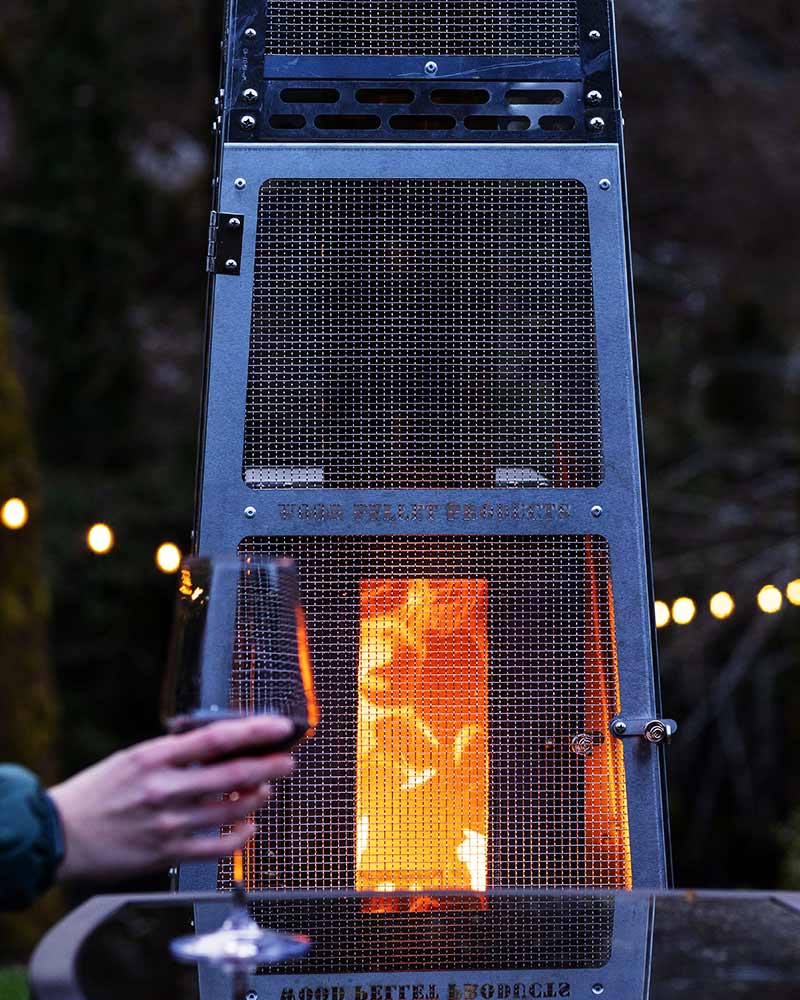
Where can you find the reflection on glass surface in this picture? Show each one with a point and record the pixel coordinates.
(714, 946)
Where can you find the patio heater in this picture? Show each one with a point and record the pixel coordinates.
(421, 382)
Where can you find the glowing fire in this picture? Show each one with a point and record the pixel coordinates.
(606, 824)
(422, 813)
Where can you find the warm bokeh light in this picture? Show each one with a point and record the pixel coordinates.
(770, 599)
(168, 558)
(721, 605)
(793, 592)
(683, 610)
(14, 514)
(662, 614)
(100, 539)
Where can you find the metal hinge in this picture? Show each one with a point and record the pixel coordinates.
(653, 730)
(225, 234)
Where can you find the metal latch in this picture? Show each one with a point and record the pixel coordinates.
(653, 730)
(225, 234)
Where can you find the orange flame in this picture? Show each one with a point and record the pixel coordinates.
(306, 672)
(422, 763)
(606, 824)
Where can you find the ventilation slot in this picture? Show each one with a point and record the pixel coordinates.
(422, 123)
(287, 121)
(384, 95)
(556, 123)
(535, 96)
(309, 95)
(460, 96)
(348, 122)
(498, 123)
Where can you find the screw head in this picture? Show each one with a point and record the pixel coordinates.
(597, 123)
(250, 34)
(594, 34)
(604, 184)
(597, 510)
(234, 222)
(431, 67)
(619, 728)
(231, 264)
(597, 989)
(250, 512)
(594, 97)
(240, 183)
(250, 95)
(247, 122)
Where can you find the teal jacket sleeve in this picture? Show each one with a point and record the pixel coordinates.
(31, 839)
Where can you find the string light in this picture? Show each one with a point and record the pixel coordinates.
(14, 514)
(683, 610)
(793, 592)
(721, 605)
(100, 539)
(662, 614)
(770, 599)
(168, 558)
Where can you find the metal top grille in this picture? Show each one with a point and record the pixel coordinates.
(423, 333)
(422, 27)
(555, 791)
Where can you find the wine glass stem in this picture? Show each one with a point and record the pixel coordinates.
(239, 985)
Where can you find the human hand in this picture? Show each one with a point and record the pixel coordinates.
(137, 810)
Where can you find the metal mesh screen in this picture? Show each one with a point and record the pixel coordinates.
(432, 933)
(423, 333)
(422, 27)
(266, 672)
(556, 796)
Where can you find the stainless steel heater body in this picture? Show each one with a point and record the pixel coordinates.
(421, 382)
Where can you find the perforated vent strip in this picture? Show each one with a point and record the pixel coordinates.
(556, 792)
(422, 27)
(423, 333)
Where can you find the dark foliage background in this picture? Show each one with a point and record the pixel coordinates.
(104, 172)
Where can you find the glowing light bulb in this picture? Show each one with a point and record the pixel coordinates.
(100, 539)
(662, 614)
(721, 605)
(14, 514)
(793, 592)
(770, 599)
(683, 610)
(168, 558)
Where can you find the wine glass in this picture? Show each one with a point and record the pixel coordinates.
(239, 647)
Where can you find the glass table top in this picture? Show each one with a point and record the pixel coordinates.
(501, 945)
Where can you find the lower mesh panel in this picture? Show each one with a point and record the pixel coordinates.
(430, 933)
(536, 657)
